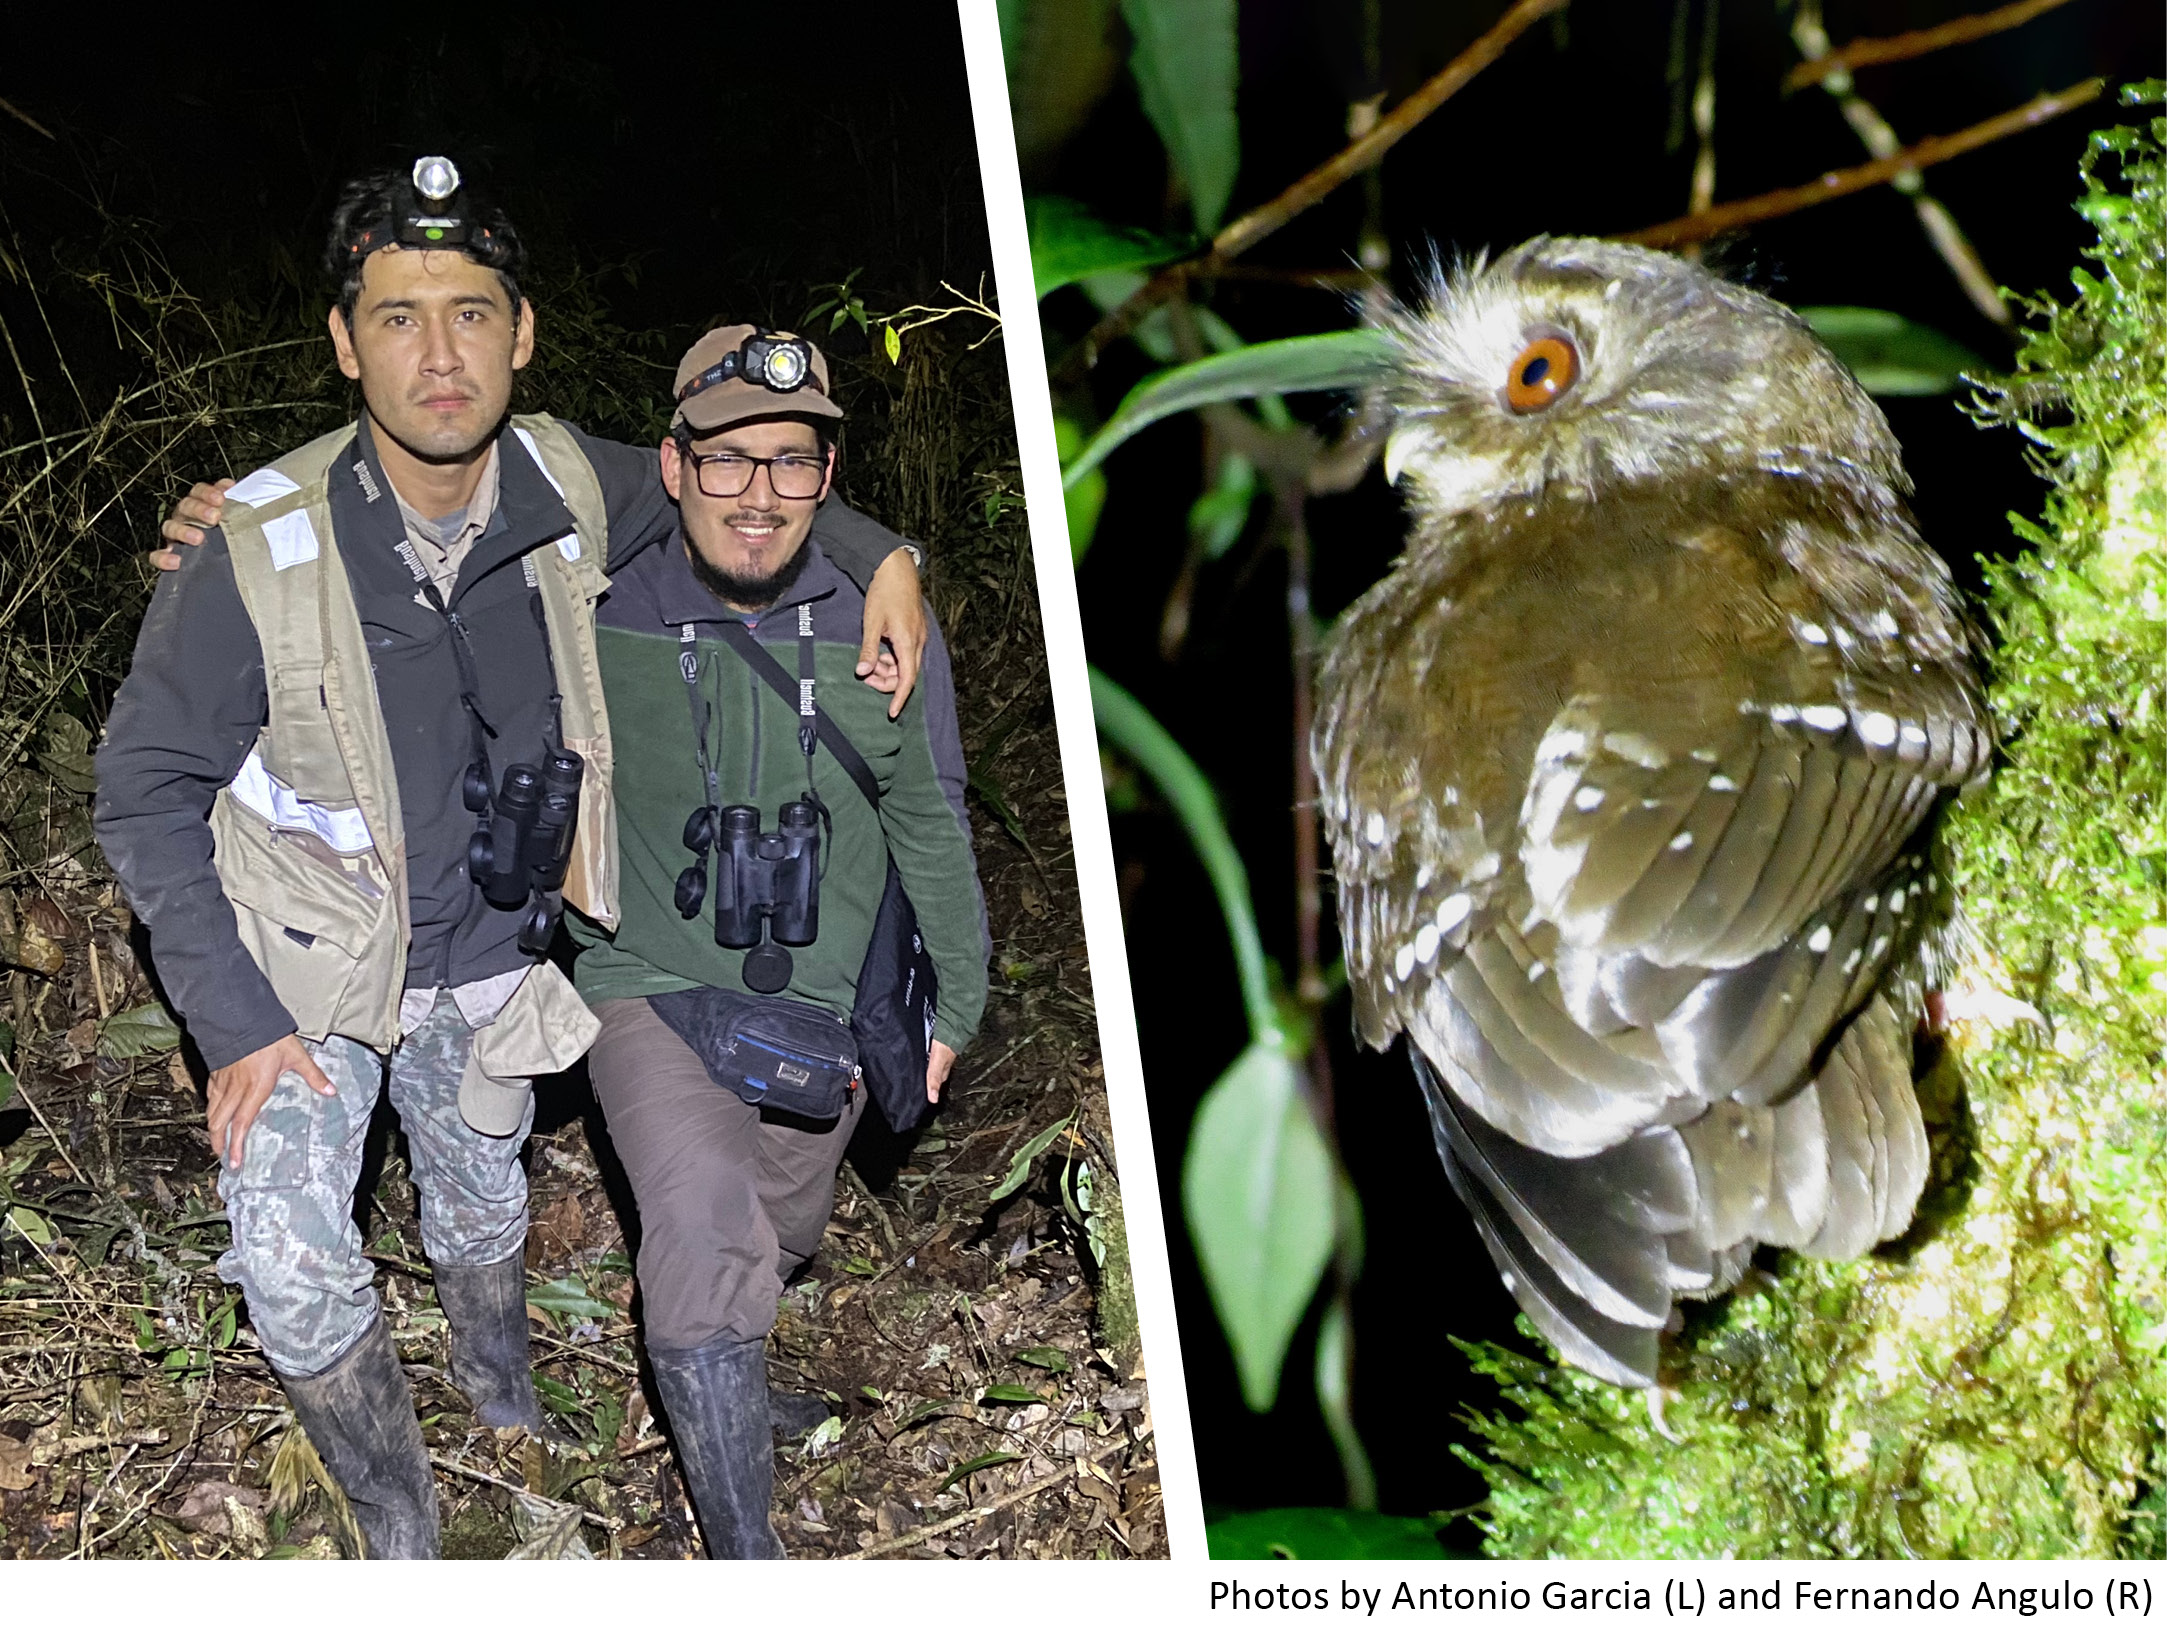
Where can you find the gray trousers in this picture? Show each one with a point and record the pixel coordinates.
(296, 1253)
(730, 1203)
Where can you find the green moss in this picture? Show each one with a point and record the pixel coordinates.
(1995, 1384)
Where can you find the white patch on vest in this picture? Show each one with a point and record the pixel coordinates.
(254, 788)
(291, 539)
(530, 570)
(535, 452)
(567, 544)
(265, 485)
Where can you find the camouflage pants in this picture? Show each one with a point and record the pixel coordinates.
(296, 1253)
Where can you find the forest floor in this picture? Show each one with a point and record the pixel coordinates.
(956, 1318)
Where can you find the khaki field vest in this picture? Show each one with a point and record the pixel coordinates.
(309, 835)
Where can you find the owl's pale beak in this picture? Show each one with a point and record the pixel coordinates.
(1399, 446)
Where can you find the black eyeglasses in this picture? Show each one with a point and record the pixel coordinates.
(729, 474)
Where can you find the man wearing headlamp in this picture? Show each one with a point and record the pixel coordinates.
(774, 820)
(362, 748)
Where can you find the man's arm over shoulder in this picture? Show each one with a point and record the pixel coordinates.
(640, 511)
(858, 544)
(929, 835)
(182, 724)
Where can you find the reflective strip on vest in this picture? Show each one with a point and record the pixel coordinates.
(343, 830)
(567, 544)
(262, 488)
(291, 539)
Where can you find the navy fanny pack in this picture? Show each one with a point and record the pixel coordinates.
(769, 1052)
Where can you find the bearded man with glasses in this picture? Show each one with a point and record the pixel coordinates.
(770, 809)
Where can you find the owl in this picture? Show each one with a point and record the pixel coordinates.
(1631, 767)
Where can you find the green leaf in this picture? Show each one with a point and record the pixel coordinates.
(64, 753)
(1186, 62)
(1343, 360)
(1044, 1359)
(992, 1458)
(1257, 1190)
(32, 1225)
(1221, 514)
(1322, 1532)
(892, 341)
(1009, 1393)
(1891, 355)
(569, 1296)
(560, 1397)
(1019, 1166)
(1069, 243)
(821, 1438)
(1082, 498)
(144, 1030)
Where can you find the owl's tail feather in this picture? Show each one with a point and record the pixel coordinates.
(1877, 1156)
(1595, 1249)
(1625, 1267)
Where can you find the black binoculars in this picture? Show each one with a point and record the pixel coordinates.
(761, 877)
(525, 844)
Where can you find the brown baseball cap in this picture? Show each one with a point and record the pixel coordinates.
(712, 395)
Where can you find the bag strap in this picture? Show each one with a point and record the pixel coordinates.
(769, 670)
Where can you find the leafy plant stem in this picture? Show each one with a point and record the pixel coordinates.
(1137, 734)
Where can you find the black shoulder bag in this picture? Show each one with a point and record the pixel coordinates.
(892, 1018)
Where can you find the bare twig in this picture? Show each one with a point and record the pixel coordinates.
(1239, 236)
(1842, 182)
(1861, 53)
(599, 1520)
(919, 1536)
(22, 1090)
(9, 107)
(1880, 139)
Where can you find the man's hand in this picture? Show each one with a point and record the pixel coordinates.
(894, 610)
(239, 1091)
(195, 513)
(939, 1062)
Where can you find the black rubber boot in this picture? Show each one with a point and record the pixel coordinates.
(715, 1399)
(487, 1307)
(359, 1415)
(795, 1415)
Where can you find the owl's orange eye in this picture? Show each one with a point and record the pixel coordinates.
(1541, 373)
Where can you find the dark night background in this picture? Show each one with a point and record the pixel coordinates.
(722, 161)
(1565, 134)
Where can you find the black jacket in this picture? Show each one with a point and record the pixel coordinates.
(195, 699)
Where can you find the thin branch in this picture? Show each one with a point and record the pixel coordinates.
(1862, 53)
(1842, 182)
(919, 1536)
(599, 1520)
(7, 106)
(1880, 140)
(1239, 236)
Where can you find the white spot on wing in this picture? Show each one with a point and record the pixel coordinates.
(1681, 841)
(1404, 960)
(1721, 781)
(1587, 798)
(1813, 631)
(1426, 944)
(1637, 749)
(1877, 728)
(1820, 939)
(1453, 910)
(1828, 718)
(1373, 830)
